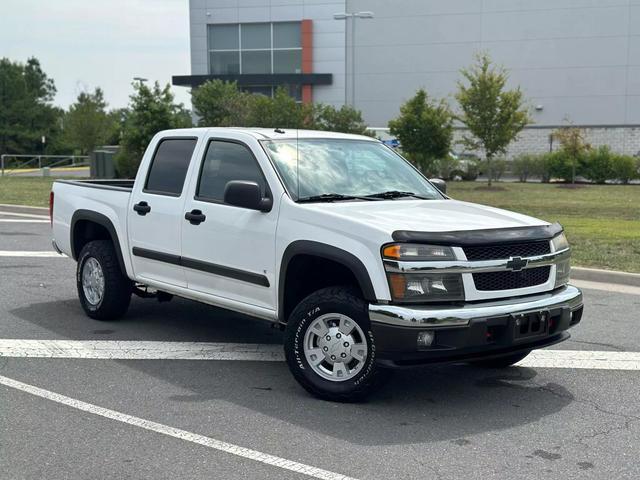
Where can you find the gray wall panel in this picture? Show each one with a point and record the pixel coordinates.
(577, 58)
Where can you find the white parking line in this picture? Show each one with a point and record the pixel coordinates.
(140, 350)
(582, 359)
(44, 254)
(15, 220)
(25, 215)
(175, 432)
(26, 207)
(152, 350)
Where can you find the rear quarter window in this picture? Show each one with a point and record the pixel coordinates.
(169, 166)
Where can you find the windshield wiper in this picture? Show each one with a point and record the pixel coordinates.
(328, 197)
(395, 194)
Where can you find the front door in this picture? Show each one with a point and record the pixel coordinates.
(231, 252)
(158, 213)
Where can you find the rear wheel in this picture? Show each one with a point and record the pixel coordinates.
(502, 362)
(330, 348)
(104, 290)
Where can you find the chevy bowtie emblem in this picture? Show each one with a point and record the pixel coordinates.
(516, 264)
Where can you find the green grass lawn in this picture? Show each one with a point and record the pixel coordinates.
(33, 191)
(601, 221)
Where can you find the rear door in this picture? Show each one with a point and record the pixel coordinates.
(158, 212)
(231, 253)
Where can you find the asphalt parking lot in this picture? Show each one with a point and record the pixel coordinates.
(112, 417)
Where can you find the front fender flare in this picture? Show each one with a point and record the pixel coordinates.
(323, 250)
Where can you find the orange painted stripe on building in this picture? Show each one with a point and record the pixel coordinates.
(306, 28)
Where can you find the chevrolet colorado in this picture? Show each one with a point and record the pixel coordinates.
(362, 260)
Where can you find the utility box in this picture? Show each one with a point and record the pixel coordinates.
(102, 164)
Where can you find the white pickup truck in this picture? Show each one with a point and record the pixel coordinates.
(336, 238)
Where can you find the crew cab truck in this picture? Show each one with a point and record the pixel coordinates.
(362, 260)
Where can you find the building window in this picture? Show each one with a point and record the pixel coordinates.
(294, 91)
(255, 48)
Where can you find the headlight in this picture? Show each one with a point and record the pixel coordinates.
(563, 273)
(560, 242)
(428, 287)
(563, 268)
(417, 252)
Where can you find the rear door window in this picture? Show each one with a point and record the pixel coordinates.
(169, 166)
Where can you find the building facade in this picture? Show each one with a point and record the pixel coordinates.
(577, 61)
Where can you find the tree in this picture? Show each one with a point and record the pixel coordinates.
(26, 113)
(87, 124)
(150, 110)
(494, 115)
(221, 104)
(280, 111)
(574, 147)
(424, 129)
(346, 119)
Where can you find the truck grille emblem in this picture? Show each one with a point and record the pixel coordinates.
(516, 264)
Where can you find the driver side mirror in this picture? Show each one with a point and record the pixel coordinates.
(241, 193)
(439, 184)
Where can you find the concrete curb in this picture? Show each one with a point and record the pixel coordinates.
(605, 276)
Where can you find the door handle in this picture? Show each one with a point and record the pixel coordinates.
(142, 208)
(195, 217)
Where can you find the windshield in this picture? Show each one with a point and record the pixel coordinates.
(349, 168)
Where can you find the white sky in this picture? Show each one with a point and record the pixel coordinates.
(83, 44)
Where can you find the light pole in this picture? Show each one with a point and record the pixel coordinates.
(140, 79)
(352, 16)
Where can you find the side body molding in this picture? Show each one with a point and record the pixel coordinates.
(323, 250)
(103, 221)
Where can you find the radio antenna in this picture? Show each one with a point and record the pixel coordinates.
(298, 161)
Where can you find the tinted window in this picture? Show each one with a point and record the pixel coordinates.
(287, 35)
(224, 162)
(224, 63)
(224, 37)
(169, 166)
(256, 36)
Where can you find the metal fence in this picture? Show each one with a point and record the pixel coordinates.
(23, 164)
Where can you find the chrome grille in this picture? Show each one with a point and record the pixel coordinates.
(499, 252)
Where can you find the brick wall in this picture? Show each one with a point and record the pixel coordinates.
(536, 140)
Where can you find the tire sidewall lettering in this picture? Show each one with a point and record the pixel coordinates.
(300, 359)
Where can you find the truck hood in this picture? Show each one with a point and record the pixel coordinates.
(426, 215)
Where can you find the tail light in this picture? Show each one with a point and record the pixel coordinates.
(51, 208)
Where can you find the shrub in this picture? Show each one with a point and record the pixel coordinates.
(541, 166)
(498, 167)
(524, 166)
(624, 168)
(564, 166)
(470, 170)
(447, 167)
(598, 165)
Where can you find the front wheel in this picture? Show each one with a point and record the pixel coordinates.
(502, 362)
(330, 348)
(103, 288)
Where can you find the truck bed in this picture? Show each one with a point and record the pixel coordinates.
(76, 198)
(123, 184)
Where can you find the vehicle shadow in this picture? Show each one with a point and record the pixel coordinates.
(426, 404)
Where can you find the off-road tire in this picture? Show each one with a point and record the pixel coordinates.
(117, 290)
(341, 300)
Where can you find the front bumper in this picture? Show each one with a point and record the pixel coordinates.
(471, 331)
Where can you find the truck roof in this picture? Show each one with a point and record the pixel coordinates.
(274, 133)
